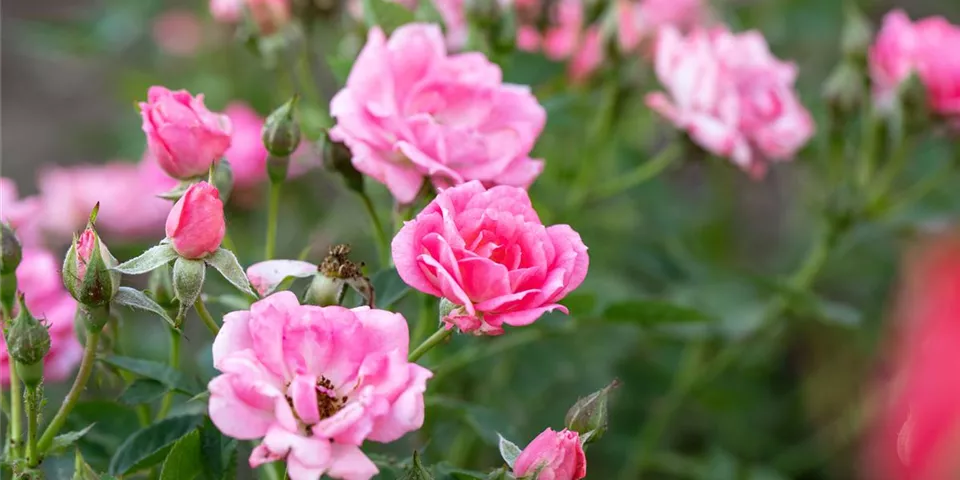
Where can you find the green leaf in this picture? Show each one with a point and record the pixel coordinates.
(340, 67)
(388, 15)
(133, 298)
(113, 423)
(217, 453)
(152, 258)
(184, 460)
(159, 372)
(389, 288)
(652, 312)
(142, 390)
(148, 447)
(64, 440)
(227, 264)
(581, 305)
(509, 451)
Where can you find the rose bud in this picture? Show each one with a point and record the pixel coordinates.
(588, 416)
(10, 256)
(195, 226)
(281, 132)
(87, 270)
(552, 455)
(337, 158)
(28, 341)
(182, 134)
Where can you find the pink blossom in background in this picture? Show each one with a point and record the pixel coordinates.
(38, 277)
(487, 252)
(452, 12)
(178, 33)
(930, 48)
(412, 113)
(129, 208)
(916, 429)
(227, 11)
(182, 134)
(269, 15)
(555, 455)
(731, 95)
(195, 225)
(247, 155)
(314, 383)
(21, 214)
(638, 20)
(566, 37)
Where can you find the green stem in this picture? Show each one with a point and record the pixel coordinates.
(383, 243)
(79, 383)
(658, 420)
(206, 317)
(16, 412)
(434, 340)
(33, 414)
(642, 173)
(174, 362)
(273, 210)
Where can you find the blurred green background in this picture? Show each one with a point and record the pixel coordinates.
(703, 236)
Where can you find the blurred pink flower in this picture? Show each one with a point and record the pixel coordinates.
(552, 456)
(247, 155)
(916, 432)
(196, 225)
(638, 20)
(731, 95)
(411, 112)
(452, 12)
(930, 48)
(178, 32)
(487, 252)
(129, 208)
(566, 36)
(38, 277)
(227, 11)
(22, 214)
(269, 15)
(182, 134)
(314, 383)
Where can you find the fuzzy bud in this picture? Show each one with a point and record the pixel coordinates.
(324, 291)
(337, 157)
(28, 341)
(92, 318)
(87, 270)
(10, 250)
(588, 416)
(223, 179)
(281, 132)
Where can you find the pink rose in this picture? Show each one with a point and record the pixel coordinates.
(21, 214)
(410, 112)
(555, 455)
(196, 226)
(227, 11)
(641, 19)
(916, 429)
(487, 252)
(891, 57)
(731, 95)
(184, 137)
(38, 277)
(314, 383)
(129, 208)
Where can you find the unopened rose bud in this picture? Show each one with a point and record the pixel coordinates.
(324, 291)
(857, 33)
(281, 131)
(188, 278)
(417, 471)
(223, 179)
(337, 157)
(87, 270)
(845, 88)
(10, 250)
(588, 416)
(28, 341)
(195, 226)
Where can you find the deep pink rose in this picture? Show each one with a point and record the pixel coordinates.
(196, 225)
(129, 207)
(555, 455)
(21, 214)
(183, 136)
(410, 112)
(638, 20)
(731, 95)
(38, 277)
(916, 427)
(314, 383)
(487, 252)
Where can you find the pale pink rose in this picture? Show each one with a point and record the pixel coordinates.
(183, 136)
(267, 275)
(915, 431)
(227, 11)
(196, 225)
(178, 32)
(410, 113)
(38, 277)
(487, 252)
(269, 15)
(21, 214)
(638, 20)
(129, 207)
(314, 383)
(554, 455)
(731, 95)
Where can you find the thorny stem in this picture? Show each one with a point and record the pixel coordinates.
(16, 412)
(79, 383)
(206, 317)
(33, 399)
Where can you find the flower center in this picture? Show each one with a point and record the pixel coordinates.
(328, 403)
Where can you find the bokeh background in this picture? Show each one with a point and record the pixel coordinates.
(703, 235)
